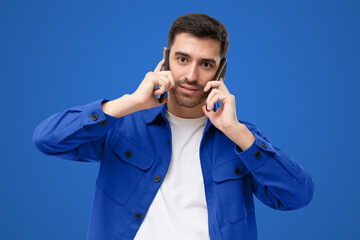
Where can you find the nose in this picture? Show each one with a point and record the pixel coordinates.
(192, 74)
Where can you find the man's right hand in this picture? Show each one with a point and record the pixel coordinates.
(145, 95)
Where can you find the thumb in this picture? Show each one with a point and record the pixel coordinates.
(209, 114)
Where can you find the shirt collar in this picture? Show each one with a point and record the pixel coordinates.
(155, 113)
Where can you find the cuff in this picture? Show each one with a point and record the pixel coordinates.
(95, 117)
(257, 154)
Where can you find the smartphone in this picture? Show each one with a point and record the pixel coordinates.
(166, 67)
(221, 71)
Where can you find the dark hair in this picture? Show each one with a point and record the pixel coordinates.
(201, 25)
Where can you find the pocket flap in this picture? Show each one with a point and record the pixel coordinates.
(232, 169)
(130, 153)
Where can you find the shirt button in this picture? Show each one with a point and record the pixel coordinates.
(138, 216)
(263, 145)
(258, 155)
(157, 178)
(168, 141)
(103, 123)
(237, 171)
(128, 154)
(94, 117)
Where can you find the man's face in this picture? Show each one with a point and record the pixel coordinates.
(193, 62)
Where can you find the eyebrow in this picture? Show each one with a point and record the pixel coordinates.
(202, 59)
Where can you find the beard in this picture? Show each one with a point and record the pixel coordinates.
(188, 100)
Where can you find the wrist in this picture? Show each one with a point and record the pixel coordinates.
(240, 135)
(138, 101)
(121, 106)
(233, 128)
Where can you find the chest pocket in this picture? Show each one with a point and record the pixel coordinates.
(123, 167)
(232, 183)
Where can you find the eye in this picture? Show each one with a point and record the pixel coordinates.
(182, 59)
(207, 65)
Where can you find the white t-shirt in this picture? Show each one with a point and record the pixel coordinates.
(179, 209)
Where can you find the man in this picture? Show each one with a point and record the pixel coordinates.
(185, 168)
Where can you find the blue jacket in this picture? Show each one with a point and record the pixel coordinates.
(135, 152)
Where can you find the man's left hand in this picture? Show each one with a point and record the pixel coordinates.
(225, 118)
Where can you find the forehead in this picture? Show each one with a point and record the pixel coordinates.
(197, 47)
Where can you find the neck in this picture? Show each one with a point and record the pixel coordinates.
(184, 112)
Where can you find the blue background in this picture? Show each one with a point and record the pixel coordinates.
(294, 68)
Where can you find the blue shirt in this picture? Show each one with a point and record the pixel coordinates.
(135, 152)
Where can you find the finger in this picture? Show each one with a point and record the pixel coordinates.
(208, 100)
(215, 99)
(213, 84)
(158, 91)
(169, 77)
(209, 114)
(211, 95)
(213, 92)
(158, 78)
(163, 80)
(159, 66)
(172, 80)
(164, 85)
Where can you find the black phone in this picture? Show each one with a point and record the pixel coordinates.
(221, 71)
(165, 67)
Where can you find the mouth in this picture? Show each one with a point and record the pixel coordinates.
(187, 88)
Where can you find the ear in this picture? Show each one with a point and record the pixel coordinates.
(164, 51)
